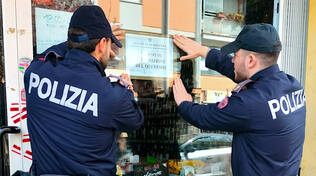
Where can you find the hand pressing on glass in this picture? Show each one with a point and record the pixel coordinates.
(179, 92)
(191, 47)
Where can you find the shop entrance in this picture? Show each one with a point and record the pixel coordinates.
(165, 139)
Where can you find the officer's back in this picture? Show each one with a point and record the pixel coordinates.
(266, 111)
(272, 142)
(74, 111)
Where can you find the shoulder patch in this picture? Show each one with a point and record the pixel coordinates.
(223, 103)
(52, 55)
(241, 85)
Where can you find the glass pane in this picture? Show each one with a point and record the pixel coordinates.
(211, 151)
(227, 17)
(52, 17)
(224, 19)
(152, 60)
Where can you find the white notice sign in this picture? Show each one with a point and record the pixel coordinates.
(51, 27)
(149, 56)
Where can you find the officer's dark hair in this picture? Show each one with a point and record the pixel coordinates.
(87, 46)
(265, 59)
(268, 59)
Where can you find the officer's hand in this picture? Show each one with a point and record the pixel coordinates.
(114, 50)
(118, 33)
(179, 92)
(127, 79)
(191, 47)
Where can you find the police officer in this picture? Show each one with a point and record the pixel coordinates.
(74, 111)
(266, 111)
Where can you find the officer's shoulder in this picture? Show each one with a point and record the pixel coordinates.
(120, 88)
(119, 93)
(36, 61)
(58, 50)
(246, 92)
(242, 86)
(117, 88)
(293, 81)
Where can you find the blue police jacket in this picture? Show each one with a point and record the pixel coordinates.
(266, 115)
(75, 113)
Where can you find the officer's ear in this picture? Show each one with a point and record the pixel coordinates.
(252, 60)
(101, 46)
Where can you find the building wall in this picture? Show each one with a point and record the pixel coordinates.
(152, 13)
(182, 17)
(111, 9)
(216, 83)
(309, 162)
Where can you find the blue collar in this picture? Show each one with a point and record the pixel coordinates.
(59, 53)
(75, 56)
(264, 72)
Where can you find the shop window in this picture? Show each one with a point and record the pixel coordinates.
(165, 143)
(265, 9)
(52, 17)
(209, 149)
(131, 22)
(227, 17)
(224, 19)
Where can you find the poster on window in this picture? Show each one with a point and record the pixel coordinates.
(149, 56)
(51, 27)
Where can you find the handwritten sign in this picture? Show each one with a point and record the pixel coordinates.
(149, 56)
(51, 27)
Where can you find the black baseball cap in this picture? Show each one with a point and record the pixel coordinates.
(92, 20)
(260, 38)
